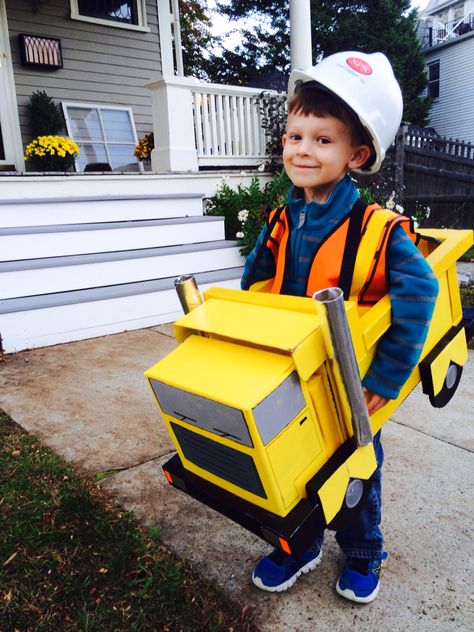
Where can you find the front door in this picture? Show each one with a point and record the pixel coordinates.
(11, 150)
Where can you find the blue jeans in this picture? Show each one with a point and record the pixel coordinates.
(364, 538)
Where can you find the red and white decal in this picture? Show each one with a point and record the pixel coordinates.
(359, 65)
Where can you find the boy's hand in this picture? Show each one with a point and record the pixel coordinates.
(374, 401)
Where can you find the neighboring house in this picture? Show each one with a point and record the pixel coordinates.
(446, 29)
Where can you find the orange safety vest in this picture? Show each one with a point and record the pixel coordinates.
(352, 256)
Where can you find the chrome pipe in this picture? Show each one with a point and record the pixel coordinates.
(188, 292)
(333, 300)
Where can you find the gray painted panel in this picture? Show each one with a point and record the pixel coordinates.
(202, 412)
(279, 408)
(451, 114)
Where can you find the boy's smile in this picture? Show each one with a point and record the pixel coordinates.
(318, 152)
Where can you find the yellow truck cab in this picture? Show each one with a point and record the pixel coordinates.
(256, 403)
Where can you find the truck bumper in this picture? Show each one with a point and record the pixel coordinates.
(294, 533)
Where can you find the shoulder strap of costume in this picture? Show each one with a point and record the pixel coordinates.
(353, 237)
(373, 251)
(270, 226)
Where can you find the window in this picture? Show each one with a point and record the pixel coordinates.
(104, 134)
(202, 412)
(443, 16)
(129, 14)
(433, 80)
(279, 408)
(458, 11)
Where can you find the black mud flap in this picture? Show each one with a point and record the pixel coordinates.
(348, 512)
(453, 375)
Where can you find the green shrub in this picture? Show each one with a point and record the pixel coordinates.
(274, 113)
(46, 118)
(244, 208)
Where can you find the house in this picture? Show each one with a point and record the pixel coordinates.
(84, 55)
(86, 254)
(446, 29)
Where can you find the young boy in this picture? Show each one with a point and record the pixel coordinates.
(343, 115)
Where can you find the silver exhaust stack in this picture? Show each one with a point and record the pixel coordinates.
(333, 300)
(188, 292)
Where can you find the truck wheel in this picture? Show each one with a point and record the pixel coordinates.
(451, 381)
(356, 494)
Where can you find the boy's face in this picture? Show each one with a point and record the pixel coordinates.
(318, 152)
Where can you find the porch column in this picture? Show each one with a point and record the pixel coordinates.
(300, 34)
(173, 124)
(170, 38)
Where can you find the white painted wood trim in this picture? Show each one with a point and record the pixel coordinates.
(67, 323)
(53, 211)
(142, 19)
(30, 186)
(101, 106)
(11, 122)
(57, 244)
(89, 275)
(165, 19)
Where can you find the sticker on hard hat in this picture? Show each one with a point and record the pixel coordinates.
(359, 65)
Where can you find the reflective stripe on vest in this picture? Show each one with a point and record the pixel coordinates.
(369, 280)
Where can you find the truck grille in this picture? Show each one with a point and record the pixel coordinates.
(229, 464)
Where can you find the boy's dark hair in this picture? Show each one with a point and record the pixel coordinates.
(309, 99)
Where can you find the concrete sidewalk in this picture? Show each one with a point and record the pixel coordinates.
(90, 403)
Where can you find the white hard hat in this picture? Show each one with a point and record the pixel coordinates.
(366, 83)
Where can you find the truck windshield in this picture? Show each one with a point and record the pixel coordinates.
(207, 414)
(279, 408)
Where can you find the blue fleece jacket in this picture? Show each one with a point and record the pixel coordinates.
(413, 288)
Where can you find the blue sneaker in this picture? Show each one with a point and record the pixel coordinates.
(279, 571)
(360, 579)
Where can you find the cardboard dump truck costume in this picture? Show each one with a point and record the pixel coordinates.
(263, 400)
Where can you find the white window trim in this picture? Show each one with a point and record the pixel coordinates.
(100, 106)
(141, 11)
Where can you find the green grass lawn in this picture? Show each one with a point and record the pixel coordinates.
(71, 559)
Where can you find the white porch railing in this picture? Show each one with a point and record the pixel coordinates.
(199, 124)
(227, 125)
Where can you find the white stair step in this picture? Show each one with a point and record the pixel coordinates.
(106, 311)
(62, 274)
(72, 239)
(97, 208)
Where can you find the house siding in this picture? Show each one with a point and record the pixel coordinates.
(451, 113)
(110, 66)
